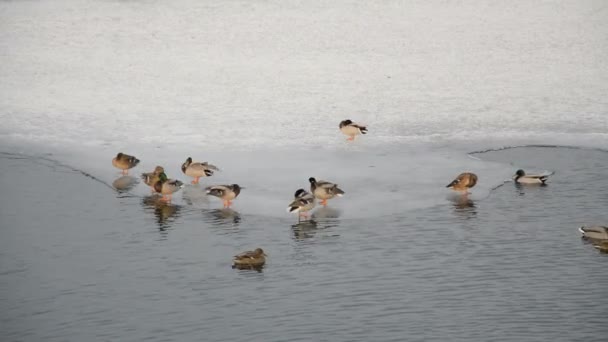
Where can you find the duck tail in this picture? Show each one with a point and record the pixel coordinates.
(293, 209)
(582, 230)
(363, 129)
(214, 192)
(208, 173)
(454, 182)
(339, 192)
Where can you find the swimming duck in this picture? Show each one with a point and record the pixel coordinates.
(594, 232)
(197, 170)
(464, 181)
(352, 129)
(167, 187)
(150, 178)
(256, 258)
(302, 203)
(522, 178)
(124, 162)
(602, 247)
(226, 192)
(324, 190)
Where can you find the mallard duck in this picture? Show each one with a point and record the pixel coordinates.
(324, 190)
(256, 258)
(124, 162)
(594, 232)
(522, 178)
(197, 170)
(302, 203)
(150, 178)
(464, 181)
(226, 192)
(602, 247)
(352, 129)
(167, 187)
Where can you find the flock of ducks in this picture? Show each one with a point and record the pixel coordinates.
(305, 201)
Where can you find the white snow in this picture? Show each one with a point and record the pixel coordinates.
(243, 74)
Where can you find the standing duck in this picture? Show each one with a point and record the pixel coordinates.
(226, 192)
(197, 170)
(352, 129)
(594, 232)
(150, 178)
(463, 182)
(302, 203)
(521, 177)
(124, 162)
(167, 187)
(324, 190)
(250, 259)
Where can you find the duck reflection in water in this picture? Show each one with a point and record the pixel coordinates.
(222, 217)
(463, 206)
(304, 230)
(124, 183)
(163, 211)
(326, 212)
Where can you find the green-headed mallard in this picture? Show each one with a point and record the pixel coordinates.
(352, 129)
(256, 258)
(197, 170)
(226, 192)
(594, 232)
(167, 187)
(150, 178)
(602, 246)
(463, 182)
(124, 162)
(302, 203)
(522, 178)
(324, 190)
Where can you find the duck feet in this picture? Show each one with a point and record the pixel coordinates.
(324, 202)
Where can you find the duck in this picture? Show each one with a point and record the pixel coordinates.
(594, 232)
(198, 170)
(255, 258)
(226, 192)
(352, 129)
(150, 178)
(303, 202)
(521, 177)
(124, 162)
(167, 187)
(602, 247)
(324, 190)
(463, 182)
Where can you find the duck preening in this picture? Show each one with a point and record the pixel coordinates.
(150, 178)
(352, 129)
(463, 182)
(198, 169)
(324, 190)
(226, 192)
(303, 202)
(167, 187)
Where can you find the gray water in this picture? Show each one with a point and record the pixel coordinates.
(82, 261)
